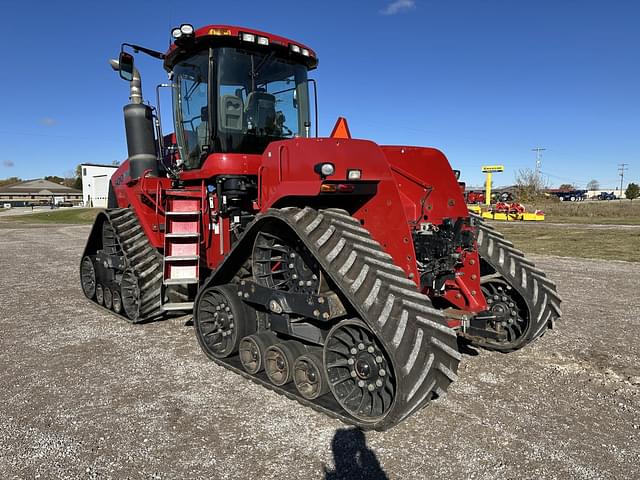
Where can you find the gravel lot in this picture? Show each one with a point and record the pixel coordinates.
(86, 395)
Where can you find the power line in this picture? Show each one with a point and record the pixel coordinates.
(622, 167)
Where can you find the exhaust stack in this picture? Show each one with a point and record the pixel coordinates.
(139, 129)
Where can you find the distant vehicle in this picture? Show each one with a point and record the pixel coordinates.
(65, 204)
(569, 195)
(607, 196)
(6, 205)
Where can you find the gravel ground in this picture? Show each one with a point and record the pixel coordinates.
(86, 395)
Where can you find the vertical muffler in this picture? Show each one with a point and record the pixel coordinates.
(139, 129)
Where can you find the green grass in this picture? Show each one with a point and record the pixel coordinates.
(613, 212)
(581, 242)
(77, 216)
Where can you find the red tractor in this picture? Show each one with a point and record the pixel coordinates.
(334, 271)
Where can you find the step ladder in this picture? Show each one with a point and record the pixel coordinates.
(181, 245)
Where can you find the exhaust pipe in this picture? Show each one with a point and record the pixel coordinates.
(139, 129)
(135, 85)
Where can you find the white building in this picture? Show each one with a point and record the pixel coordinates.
(95, 184)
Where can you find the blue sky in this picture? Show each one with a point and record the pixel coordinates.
(482, 80)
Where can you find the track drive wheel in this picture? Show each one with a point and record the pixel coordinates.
(130, 295)
(359, 371)
(221, 320)
(284, 264)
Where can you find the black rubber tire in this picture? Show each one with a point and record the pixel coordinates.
(500, 260)
(243, 322)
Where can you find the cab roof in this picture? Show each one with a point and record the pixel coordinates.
(229, 35)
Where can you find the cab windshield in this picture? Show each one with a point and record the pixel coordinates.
(255, 97)
(260, 98)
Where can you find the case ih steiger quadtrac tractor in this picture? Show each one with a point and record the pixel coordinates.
(334, 271)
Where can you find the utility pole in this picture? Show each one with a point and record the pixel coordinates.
(538, 151)
(622, 167)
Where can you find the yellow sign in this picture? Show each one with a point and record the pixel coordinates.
(492, 168)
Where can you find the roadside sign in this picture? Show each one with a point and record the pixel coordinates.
(492, 168)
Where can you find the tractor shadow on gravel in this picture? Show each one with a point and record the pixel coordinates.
(465, 347)
(352, 458)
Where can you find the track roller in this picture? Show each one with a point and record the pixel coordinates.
(108, 297)
(280, 359)
(309, 375)
(117, 302)
(252, 351)
(99, 294)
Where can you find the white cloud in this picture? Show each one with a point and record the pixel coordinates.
(48, 122)
(8, 163)
(398, 6)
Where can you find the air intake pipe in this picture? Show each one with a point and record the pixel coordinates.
(139, 128)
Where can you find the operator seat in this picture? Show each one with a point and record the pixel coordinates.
(231, 113)
(260, 112)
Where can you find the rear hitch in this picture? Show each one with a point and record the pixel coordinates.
(477, 325)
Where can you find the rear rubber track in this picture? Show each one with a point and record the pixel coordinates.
(539, 292)
(140, 257)
(421, 348)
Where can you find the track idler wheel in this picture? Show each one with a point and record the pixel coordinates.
(309, 375)
(252, 351)
(88, 277)
(510, 311)
(359, 371)
(280, 359)
(222, 320)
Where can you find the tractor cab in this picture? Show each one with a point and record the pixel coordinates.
(236, 90)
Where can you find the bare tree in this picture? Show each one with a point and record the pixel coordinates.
(529, 185)
(593, 185)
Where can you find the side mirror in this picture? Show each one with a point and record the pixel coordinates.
(457, 174)
(126, 66)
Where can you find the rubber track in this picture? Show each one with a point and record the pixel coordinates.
(140, 256)
(539, 292)
(421, 348)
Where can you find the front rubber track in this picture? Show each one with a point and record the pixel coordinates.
(422, 349)
(538, 291)
(142, 258)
